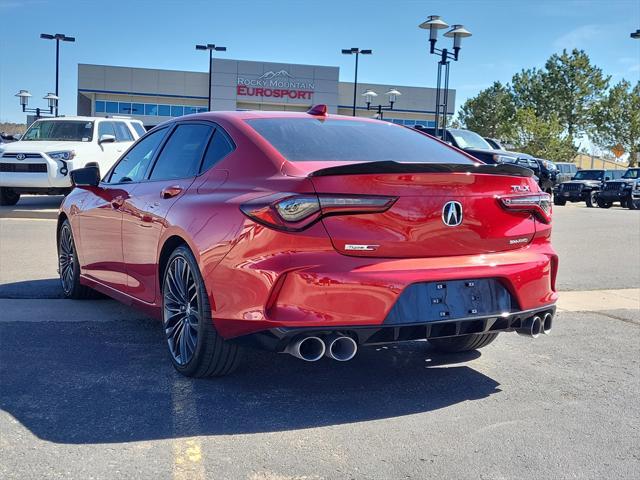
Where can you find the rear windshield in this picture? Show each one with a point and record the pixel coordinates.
(59, 130)
(311, 139)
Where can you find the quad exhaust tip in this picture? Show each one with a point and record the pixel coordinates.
(531, 327)
(341, 348)
(309, 349)
(547, 323)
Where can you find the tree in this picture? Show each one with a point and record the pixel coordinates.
(617, 119)
(567, 87)
(542, 138)
(572, 87)
(490, 113)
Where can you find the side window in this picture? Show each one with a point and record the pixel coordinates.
(106, 128)
(182, 154)
(138, 128)
(132, 167)
(123, 134)
(219, 147)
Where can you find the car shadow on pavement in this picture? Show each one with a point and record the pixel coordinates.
(32, 289)
(104, 382)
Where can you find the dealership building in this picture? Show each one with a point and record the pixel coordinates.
(153, 96)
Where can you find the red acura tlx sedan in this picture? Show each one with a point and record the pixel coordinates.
(310, 234)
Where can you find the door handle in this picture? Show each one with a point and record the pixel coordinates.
(117, 202)
(170, 192)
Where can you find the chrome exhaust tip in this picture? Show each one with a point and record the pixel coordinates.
(309, 349)
(531, 327)
(341, 348)
(547, 323)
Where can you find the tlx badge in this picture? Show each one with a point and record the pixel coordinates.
(520, 188)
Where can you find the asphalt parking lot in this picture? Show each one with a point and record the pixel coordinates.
(87, 390)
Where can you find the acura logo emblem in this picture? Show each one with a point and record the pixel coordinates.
(20, 156)
(452, 214)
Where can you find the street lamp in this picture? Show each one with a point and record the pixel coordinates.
(57, 37)
(211, 47)
(357, 51)
(635, 35)
(52, 101)
(370, 95)
(457, 32)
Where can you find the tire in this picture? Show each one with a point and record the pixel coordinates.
(591, 199)
(195, 348)
(559, 201)
(633, 205)
(69, 266)
(603, 204)
(463, 343)
(8, 196)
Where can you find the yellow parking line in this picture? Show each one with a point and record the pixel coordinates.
(187, 451)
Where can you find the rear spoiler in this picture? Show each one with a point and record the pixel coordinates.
(397, 167)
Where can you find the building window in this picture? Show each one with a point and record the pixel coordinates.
(177, 110)
(111, 107)
(137, 108)
(164, 110)
(150, 109)
(125, 108)
(100, 107)
(201, 109)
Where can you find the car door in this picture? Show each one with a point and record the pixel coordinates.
(172, 173)
(102, 213)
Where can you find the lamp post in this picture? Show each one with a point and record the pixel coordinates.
(457, 32)
(52, 99)
(57, 37)
(357, 52)
(211, 47)
(392, 95)
(635, 35)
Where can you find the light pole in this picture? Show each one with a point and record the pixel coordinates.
(392, 95)
(357, 52)
(635, 35)
(211, 47)
(57, 37)
(24, 96)
(457, 32)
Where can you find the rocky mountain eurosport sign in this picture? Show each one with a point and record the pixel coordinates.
(278, 84)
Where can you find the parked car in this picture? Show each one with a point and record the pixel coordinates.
(624, 189)
(310, 234)
(583, 187)
(51, 148)
(477, 146)
(545, 171)
(566, 171)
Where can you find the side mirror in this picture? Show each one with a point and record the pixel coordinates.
(106, 139)
(86, 177)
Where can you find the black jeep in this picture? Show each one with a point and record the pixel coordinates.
(625, 190)
(583, 187)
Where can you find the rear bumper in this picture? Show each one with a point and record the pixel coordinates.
(277, 339)
(328, 290)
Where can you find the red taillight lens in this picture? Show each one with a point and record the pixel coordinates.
(538, 204)
(295, 212)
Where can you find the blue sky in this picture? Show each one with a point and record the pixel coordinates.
(508, 35)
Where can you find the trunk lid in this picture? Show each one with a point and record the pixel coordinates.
(423, 222)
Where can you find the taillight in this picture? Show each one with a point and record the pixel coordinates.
(538, 204)
(295, 212)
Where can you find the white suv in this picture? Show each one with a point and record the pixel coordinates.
(41, 161)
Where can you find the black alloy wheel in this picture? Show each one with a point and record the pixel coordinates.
(181, 310)
(69, 266)
(195, 347)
